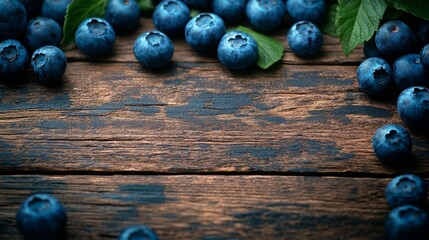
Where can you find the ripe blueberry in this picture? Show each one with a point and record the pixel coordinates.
(370, 49)
(140, 232)
(204, 31)
(305, 39)
(55, 9)
(153, 49)
(171, 16)
(41, 217)
(306, 10)
(123, 15)
(265, 15)
(49, 64)
(408, 71)
(229, 10)
(406, 189)
(392, 143)
(95, 37)
(237, 50)
(413, 107)
(13, 60)
(42, 31)
(394, 39)
(13, 19)
(374, 76)
(424, 57)
(407, 222)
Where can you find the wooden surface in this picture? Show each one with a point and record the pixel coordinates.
(197, 151)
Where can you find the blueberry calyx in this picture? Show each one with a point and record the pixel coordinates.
(40, 60)
(154, 38)
(204, 20)
(381, 75)
(238, 41)
(421, 94)
(10, 53)
(171, 6)
(39, 205)
(393, 137)
(97, 27)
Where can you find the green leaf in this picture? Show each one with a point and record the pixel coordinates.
(419, 8)
(194, 12)
(270, 50)
(146, 6)
(77, 11)
(329, 26)
(357, 20)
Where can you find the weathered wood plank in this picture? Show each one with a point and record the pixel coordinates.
(196, 118)
(207, 207)
(331, 53)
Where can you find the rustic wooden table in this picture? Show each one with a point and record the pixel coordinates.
(196, 151)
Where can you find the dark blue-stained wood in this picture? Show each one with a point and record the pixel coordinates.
(207, 207)
(197, 151)
(117, 117)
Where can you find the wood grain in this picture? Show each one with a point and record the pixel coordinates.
(207, 207)
(196, 118)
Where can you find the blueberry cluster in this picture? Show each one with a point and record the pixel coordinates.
(396, 61)
(41, 216)
(393, 64)
(407, 196)
(236, 50)
(30, 33)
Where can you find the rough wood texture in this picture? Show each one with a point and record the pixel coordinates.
(208, 207)
(197, 118)
(293, 143)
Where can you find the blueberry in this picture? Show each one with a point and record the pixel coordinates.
(33, 7)
(171, 16)
(370, 49)
(229, 10)
(407, 189)
(140, 232)
(407, 222)
(374, 76)
(306, 10)
(13, 60)
(392, 143)
(95, 37)
(55, 9)
(424, 57)
(199, 4)
(49, 64)
(153, 49)
(408, 71)
(41, 217)
(123, 15)
(42, 31)
(265, 15)
(305, 39)
(13, 19)
(237, 50)
(394, 39)
(204, 31)
(413, 107)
